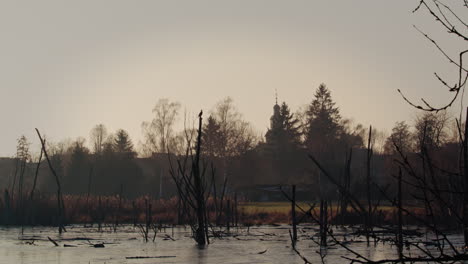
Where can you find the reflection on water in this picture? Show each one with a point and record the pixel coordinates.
(200, 253)
(34, 247)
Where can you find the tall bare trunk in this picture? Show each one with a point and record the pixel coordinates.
(293, 213)
(368, 185)
(465, 182)
(400, 218)
(200, 232)
(60, 204)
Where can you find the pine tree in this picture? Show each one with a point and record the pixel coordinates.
(123, 143)
(78, 168)
(276, 131)
(291, 126)
(323, 126)
(211, 138)
(282, 144)
(283, 136)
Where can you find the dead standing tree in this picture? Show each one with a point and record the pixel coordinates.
(465, 181)
(199, 192)
(191, 186)
(368, 226)
(452, 20)
(60, 204)
(444, 248)
(449, 19)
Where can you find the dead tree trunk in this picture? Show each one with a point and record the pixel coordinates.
(31, 195)
(323, 223)
(228, 215)
(400, 218)
(119, 207)
(100, 214)
(347, 185)
(293, 213)
(368, 185)
(88, 210)
(60, 205)
(465, 182)
(192, 187)
(8, 214)
(179, 210)
(236, 214)
(200, 200)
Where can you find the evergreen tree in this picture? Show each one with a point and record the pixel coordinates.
(283, 134)
(276, 131)
(211, 138)
(291, 126)
(22, 157)
(117, 167)
(77, 171)
(22, 149)
(123, 143)
(323, 120)
(282, 144)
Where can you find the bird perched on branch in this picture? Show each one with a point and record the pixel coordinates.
(201, 113)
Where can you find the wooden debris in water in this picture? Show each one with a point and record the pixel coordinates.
(149, 257)
(51, 240)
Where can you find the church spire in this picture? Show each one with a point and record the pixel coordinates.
(276, 108)
(276, 96)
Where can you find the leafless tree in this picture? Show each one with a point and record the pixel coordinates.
(192, 186)
(97, 138)
(450, 18)
(159, 132)
(432, 128)
(235, 134)
(401, 135)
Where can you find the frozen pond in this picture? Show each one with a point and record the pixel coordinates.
(263, 244)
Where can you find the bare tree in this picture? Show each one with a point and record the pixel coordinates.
(192, 185)
(22, 157)
(235, 135)
(432, 129)
(450, 18)
(97, 138)
(158, 132)
(400, 136)
(60, 203)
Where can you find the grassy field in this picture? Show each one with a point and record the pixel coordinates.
(269, 207)
(280, 212)
(285, 207)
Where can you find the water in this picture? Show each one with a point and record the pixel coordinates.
(245, 247)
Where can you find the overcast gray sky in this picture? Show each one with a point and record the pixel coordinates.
(66, 66)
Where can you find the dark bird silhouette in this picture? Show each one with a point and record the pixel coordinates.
(201, 113)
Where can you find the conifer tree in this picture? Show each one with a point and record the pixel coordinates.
(123, 143)
(211, 137)
(283, 134)
(323, 120)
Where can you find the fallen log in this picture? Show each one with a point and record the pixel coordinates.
(53, 242)
(149, 257)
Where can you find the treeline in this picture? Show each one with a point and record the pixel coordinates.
(111, 164)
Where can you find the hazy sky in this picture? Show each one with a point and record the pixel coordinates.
(66, 66)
